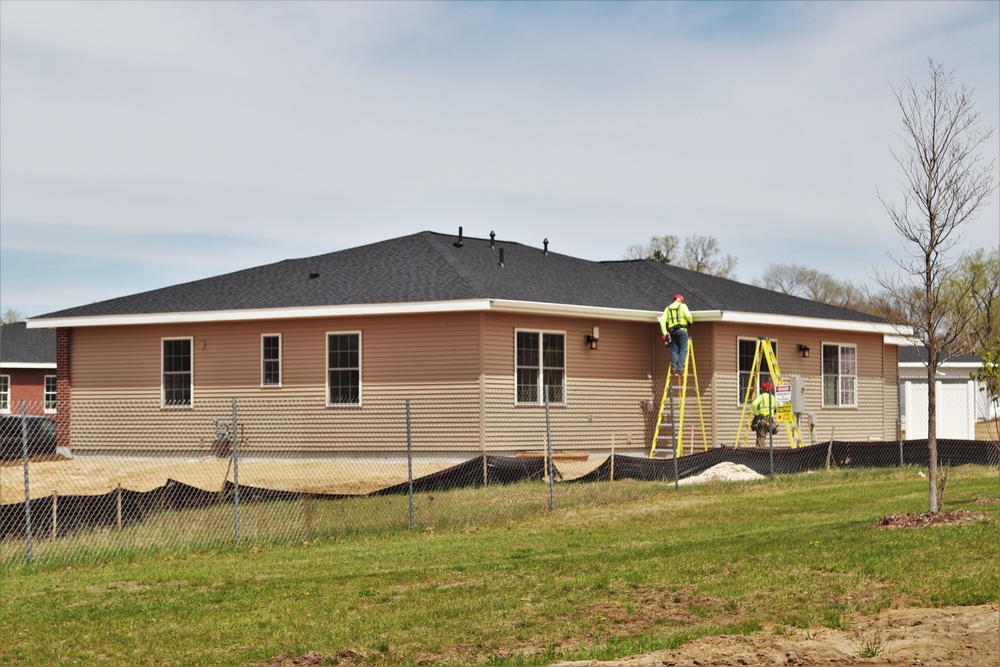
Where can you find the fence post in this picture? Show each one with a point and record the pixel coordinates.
(899, 418)
(55, 513)
(118, 502)
(550, 464)
(236, 476)
(770, 435)
(27, 485)
(612, 457)
(409, 462)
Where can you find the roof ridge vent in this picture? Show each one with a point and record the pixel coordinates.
(459, 243)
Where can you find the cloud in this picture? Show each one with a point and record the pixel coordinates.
(289, 129)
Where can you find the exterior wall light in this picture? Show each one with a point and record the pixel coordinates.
(592, 338)
(804, 351)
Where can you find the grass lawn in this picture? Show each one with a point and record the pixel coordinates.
(616, 569)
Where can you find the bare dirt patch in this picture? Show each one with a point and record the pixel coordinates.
(930, 519)
(951, 636)
(945, 637)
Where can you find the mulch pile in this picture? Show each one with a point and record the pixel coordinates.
(930, 519)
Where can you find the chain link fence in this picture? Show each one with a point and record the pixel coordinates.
(124, 477)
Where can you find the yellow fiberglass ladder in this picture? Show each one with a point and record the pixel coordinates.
(784, 412)
(669, 431)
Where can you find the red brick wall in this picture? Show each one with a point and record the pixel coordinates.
(64, 377)
(28, 385)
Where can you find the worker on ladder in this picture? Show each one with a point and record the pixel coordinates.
(673, 325)
(763, 414)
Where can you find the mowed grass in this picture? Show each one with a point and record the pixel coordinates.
(616, 569)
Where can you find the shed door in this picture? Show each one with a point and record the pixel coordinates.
(955, 410)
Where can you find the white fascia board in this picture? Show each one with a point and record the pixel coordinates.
(535, 307)
(795, 321)
(971, 365)
(901, 341)
(26, 364)
(467, 305)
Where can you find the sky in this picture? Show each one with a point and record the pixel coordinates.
(148, 144)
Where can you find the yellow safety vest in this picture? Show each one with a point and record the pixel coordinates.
(674, 315)
(764, 404)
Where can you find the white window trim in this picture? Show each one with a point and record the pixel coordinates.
(822, 372)
(763, 362)
(45, 400)
(541, 368)
(281, 352)
(163, 397)
(5, 409)
(326, 372)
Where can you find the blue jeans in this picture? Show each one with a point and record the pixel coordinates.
(678, 348)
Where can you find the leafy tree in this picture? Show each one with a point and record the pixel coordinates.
(700, 253)
(944, 186)
(660, 248)
(989, 377)
(978, 278)
(808, 283)
(10, 316)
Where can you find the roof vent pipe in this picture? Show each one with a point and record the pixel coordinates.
(493, 235)
(545, 249)
(459, 243)
(501, 256)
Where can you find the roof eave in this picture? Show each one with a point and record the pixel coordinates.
(262, 314)
(461, 305)
(28, 365)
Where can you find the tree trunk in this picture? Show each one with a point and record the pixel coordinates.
(932, 468)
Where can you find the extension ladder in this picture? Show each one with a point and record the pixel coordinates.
(670, 432)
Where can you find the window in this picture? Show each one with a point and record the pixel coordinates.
(177, 372)
(4, 393)
(840, 376)
(50, 393)
(541, 362)
(343, 363)
(270, 356)
(746, 349)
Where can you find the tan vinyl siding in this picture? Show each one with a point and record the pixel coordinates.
(458, 372)
(866, 421)
(605, 391)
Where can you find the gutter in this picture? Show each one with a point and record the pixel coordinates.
(464, 305)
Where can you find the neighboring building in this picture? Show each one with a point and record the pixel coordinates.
(959, 403)
(27, 369)
(476, 332)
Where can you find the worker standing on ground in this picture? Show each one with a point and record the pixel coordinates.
(763, 414)
(674, 321)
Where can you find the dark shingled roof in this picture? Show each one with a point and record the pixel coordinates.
(428, 266)
(21, 345)
(918, 353)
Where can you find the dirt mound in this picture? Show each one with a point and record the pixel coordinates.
(724, 472)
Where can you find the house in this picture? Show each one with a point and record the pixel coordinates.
(27, 369)
(960, 404)
(478, 332)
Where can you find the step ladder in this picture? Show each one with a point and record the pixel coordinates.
(668, 435)
(765, 352)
